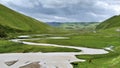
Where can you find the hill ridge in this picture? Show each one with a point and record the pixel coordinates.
(15, 20)
(110, 23)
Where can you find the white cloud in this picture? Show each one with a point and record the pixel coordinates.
(22, 3)
(57, 3)
(116, 9)
(102, 4)
(66, 10)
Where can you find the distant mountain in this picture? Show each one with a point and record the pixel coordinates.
(12, 21)
(54, 23)
(110, 23)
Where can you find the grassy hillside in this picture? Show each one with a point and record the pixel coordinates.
(15, 21)
(110, 23)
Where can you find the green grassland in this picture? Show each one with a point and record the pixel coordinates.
(88, 40)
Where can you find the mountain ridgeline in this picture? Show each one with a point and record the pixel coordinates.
(110, 23)
(12, 21)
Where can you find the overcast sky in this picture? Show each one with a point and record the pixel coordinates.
(66, 10)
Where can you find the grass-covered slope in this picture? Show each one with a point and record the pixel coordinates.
(15, 21)
(110, 23)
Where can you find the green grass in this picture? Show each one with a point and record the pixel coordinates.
(11, 47)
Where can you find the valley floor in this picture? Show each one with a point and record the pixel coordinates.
(64, 46)
(60, 60)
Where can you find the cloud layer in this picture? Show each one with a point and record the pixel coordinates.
(66, 10)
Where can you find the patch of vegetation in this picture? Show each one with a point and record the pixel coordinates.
(111, 60)
(3, 34)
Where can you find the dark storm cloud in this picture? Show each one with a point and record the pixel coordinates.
(66, 10)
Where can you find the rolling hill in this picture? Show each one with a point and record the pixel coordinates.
(110, 23)
(12, 21)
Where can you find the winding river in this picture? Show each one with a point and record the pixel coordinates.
(47, 60)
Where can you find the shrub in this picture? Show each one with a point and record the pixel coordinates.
(3, 34)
